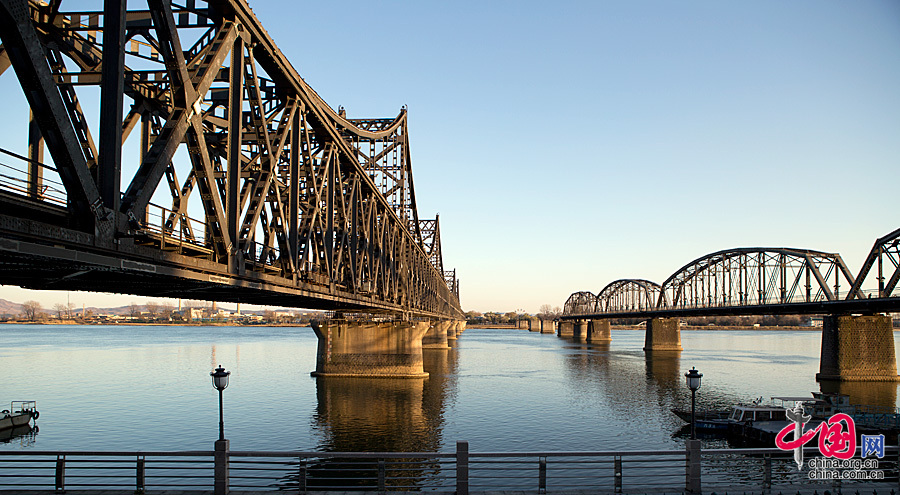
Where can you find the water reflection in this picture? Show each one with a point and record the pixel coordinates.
(879, 394)
(23, 435)
(664, 369)
(638, 389)
(386, 414)
(382, 415)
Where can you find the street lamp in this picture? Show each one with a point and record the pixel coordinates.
(693, 382)
(220, 383)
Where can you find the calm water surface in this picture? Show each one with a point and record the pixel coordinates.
(148, 388)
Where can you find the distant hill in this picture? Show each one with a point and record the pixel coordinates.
(10, 308)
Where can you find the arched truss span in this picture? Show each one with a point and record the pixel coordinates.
(756, 276)
(885, 258)
(580, 303)
(628, 295)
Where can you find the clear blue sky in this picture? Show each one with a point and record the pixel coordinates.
(569, 144)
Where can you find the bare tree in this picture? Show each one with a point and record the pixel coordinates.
(545, 310)
(152, 308)
(134, 310)
(60, 310)
(32, 309)
(269, 316)
(165, 309)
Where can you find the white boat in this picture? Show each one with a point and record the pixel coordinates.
(20, 413)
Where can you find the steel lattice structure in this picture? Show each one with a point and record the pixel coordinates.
(247, 187)
(628, 295)
(754, 281)
(580, 303)
(885, 256)
(756, 276)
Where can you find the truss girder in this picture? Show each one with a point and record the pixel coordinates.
(885, 258)
(285, 185)
(582, 302)
(628, 295)
(734, 281)
(756, 276)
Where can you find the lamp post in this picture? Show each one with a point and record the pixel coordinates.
(693, 382)
(220, 383)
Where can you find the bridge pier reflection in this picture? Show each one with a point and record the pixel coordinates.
(387, 415)
(879, 394)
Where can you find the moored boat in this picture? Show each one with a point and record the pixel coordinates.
(20, 413)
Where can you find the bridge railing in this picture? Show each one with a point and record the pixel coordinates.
(14, 179)
(173, 229)
(760, 470)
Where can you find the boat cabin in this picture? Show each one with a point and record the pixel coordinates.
(743, 413)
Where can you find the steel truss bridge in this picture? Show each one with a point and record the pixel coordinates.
(754, 281)
(244, 185)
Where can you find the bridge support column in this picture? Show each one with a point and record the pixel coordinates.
(580, 333)
(389, 350)
(436, 336)
(460, 327)
(566, 329)
(858, 348)
(599, 332)
(663, 334)
(534, 325)
(453, 331)
(548, 326)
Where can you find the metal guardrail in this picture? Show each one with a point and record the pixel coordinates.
(756, 470)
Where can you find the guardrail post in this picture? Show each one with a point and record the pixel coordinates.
(139, 475)
(61, 473)
(617, 466)
(692, 473)
(767, 473)
(301, 476)
(221, 467)
(462, 468)
(381, 475)
(542, 475)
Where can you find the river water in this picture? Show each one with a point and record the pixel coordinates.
(148, 388)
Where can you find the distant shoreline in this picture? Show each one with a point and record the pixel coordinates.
(157, 323)
(683, 327)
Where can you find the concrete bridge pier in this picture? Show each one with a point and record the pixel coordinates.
(367, 349)
(663, 334)
(534, 325)
(599, 332)
(453, 331)
(580, 333)
(858, 348)
(436, 336)
(566, 329)
(459, 327)
(548, 326)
